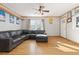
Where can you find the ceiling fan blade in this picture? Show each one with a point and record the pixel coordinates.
(41, 7)
(35, 9)
(45, 10)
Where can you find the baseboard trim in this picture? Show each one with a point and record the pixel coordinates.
(65, 38)
(70, 40)
(53, 36)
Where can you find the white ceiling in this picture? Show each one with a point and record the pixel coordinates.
(27, 9)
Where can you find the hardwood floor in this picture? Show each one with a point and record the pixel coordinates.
(55, 46)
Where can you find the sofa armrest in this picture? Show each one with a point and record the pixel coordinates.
(6, 44)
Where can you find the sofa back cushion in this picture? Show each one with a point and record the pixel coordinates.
(19, 32)
(33, 31)
(13, 33)
(26, 32)
(40, 31)
(4, 35)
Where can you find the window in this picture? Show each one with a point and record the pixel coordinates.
(36, 25)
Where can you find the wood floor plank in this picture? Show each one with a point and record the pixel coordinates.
(55, 46)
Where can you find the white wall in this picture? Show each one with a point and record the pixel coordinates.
(74, 33)
(63, 27)
(51, 29)
(25, 24)
(4, 26)
(70, 31)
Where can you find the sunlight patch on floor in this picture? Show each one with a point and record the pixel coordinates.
(72, 46)
(32, 47)
(67, 47)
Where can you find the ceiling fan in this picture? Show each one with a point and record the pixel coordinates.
(42, 10)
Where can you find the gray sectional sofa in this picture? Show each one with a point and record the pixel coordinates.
(11, 39)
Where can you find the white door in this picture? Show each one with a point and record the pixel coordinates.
(63, 28)
(69, 30)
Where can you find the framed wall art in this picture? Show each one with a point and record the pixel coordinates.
(11, 18)
(69, 17)
(17, 20)
(2, 15)
(77, 22)
(69, 20)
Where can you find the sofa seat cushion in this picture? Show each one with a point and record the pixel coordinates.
(32, 36)
(16, 36)
(16, 40)
(23, 36)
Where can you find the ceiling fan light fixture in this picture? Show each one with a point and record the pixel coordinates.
(41, 9)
